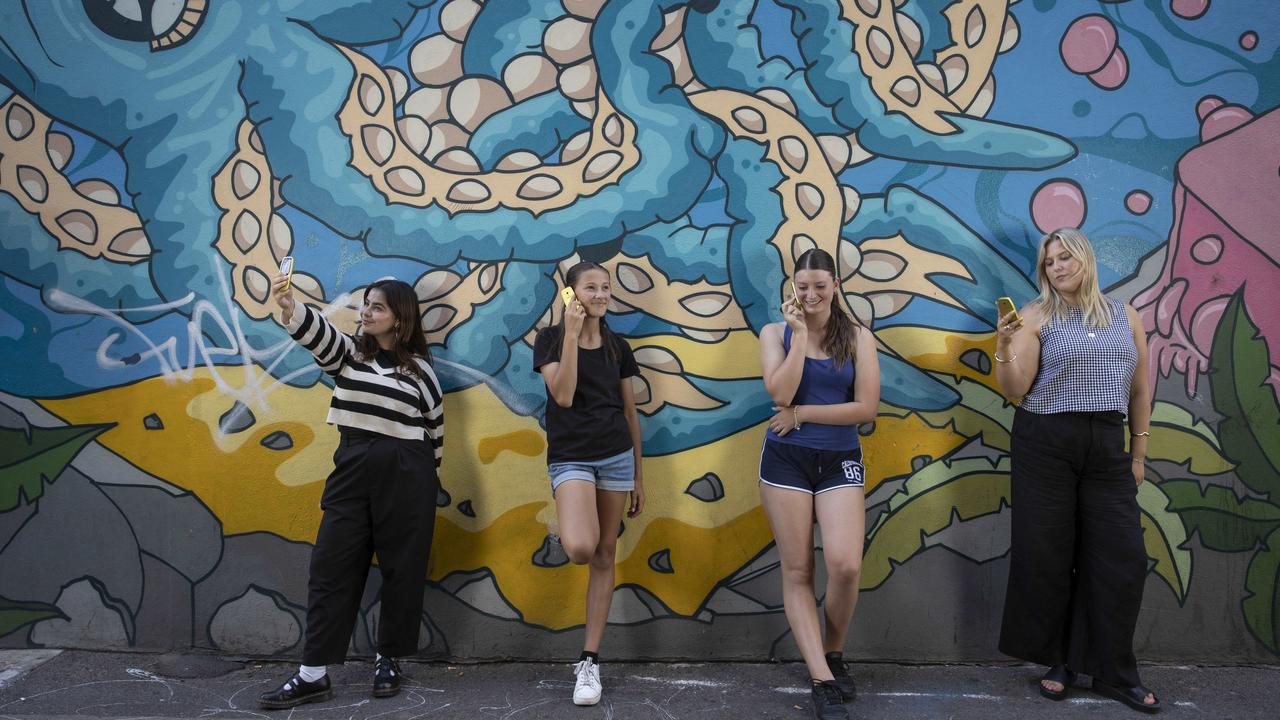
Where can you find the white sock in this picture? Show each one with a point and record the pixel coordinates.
(377, 658)
(312, 673)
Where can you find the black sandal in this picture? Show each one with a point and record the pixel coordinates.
(1134, 695)
(1061, 675)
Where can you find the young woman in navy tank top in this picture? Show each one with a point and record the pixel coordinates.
(1077, 361)
(820, 368)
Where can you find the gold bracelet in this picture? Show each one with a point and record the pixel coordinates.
(1001, 360)
(1141, 434)
(795, 414)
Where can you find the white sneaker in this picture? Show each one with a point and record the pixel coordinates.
(587, 690)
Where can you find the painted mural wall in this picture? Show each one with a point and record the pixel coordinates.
(163, 441)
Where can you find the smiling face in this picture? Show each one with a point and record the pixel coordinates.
(816, 289)
(376, 318)
(593, 291)
(1062, 269)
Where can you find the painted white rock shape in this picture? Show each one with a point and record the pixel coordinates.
(468, 191)
(436, 60)
(434, 284)
(99, 191)
(33, 183)
(429, 103)
(133, 243)
(60, 149)
(793, 152)
(459, 160)
(567, 40)
(601, 165)
(473, 100)
(518, 161)
(539, 187)
(80, 225)
(415, 132)
(578, 82)
(378, 143)
(405, 180)
(370, 95)
(528, 75)
(749, 119)
(246, 231)
(456, 18)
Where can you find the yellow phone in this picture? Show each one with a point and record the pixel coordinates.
(1004, 306)
(286, 269)
(795, 297)
(567, 296)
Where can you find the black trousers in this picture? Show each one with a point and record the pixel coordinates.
(380, 497)
(1077, 560)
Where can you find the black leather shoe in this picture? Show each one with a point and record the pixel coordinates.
(841, 677)
(386, 677)
(296, 691)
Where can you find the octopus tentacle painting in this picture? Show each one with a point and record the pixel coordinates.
(159, 157)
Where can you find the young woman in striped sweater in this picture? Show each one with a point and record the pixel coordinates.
(381, 495)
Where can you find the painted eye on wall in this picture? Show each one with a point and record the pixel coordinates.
(164, 24)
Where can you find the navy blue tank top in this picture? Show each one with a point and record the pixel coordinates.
(821, 384)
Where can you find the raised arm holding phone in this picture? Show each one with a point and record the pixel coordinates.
(381, 495)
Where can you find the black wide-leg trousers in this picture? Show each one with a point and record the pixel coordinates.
(1077, 560)
(380, 498)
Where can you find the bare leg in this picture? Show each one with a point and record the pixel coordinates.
(579, 523)
(609, 506)
(842, 517)
(790, 515)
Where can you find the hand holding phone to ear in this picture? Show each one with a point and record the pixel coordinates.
(574, 313)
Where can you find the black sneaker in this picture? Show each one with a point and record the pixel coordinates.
(843, 680)
(386, 677)
(827, 704)
(296, 691)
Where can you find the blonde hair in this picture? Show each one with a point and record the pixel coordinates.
(1053, 307)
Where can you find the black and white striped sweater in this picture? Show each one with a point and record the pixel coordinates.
(370, 394)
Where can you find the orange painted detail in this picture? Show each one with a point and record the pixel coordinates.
(521, 442)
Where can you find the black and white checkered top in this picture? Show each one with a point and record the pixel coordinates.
(1084, 369)
(372, 394)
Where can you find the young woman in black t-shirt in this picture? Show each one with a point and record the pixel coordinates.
(593, 447)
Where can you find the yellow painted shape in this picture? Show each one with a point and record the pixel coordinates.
(520, 442)
(556, 597)
(937, 350)
(737, 356)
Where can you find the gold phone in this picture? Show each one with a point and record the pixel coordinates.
(286, 269)
(795, 297)
(1004, 306)
(567, 296)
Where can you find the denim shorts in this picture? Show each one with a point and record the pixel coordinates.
(808, 470)
(617, 473)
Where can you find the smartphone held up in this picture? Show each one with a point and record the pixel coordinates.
(1004, 306)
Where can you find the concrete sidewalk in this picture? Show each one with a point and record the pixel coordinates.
(52, 684)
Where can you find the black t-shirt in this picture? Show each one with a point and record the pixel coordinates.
(594, 427)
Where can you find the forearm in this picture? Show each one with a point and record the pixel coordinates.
(1014, 375)
(785, 380)
(1139, 422)
(565, 382)
(850, 413)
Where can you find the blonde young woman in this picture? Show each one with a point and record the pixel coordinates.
(820, 367)
(1077, 362)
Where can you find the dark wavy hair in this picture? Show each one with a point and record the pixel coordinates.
(411, 342)
(842, 330)
(607, 338)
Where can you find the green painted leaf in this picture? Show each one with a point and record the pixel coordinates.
(26, 462)
(928, 503)
(1261, 606)
(1165, 537)
(1226, 523)
(981, 411)
(1186, 447)
(15, 614)
(1250, 429)
(1166, 413)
